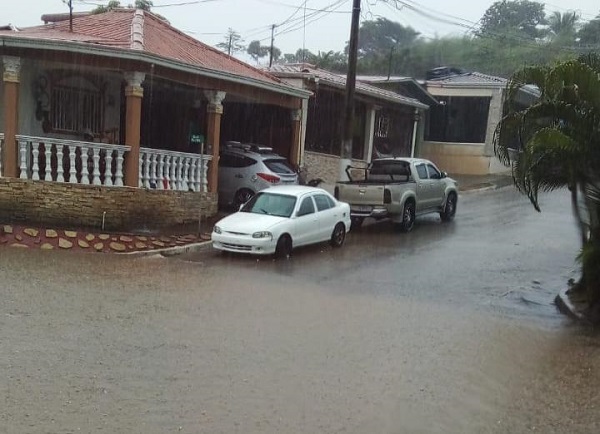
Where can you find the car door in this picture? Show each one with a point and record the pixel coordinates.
(423, 188)
(438, 187)
(326, 215)
(306, 222)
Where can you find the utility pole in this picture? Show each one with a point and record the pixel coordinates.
(71, 16)
(348, 124)
(390, 62)
(272, 42)
(230, 42)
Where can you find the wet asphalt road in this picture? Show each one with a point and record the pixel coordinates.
(448, 329)
(498, 253)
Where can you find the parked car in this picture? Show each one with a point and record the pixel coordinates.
(245, 169)
(399, 189)
(278, 219)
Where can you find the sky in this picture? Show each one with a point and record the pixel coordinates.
(317, 25)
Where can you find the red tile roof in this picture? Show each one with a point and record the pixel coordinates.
(155, 36)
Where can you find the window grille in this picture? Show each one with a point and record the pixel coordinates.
(76, 110)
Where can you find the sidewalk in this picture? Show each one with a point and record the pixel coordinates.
(166, 240)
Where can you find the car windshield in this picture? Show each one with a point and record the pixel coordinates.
(280, 205)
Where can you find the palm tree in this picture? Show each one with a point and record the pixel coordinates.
(563, 25)
(558, 145)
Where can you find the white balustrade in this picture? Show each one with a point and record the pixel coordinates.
(161, 169)
(71, 161)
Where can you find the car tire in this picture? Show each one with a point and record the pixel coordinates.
(408, 217)
(338, 236)
(284, 247)
(449, 208)
(356, 223)
(242, 196)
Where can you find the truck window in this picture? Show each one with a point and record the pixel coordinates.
(433, 172)
(422, 171)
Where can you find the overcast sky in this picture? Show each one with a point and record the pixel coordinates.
(208, 20)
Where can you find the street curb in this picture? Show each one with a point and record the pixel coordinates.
(567, 308)
(170, 251)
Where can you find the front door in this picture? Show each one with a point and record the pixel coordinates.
(306, 223)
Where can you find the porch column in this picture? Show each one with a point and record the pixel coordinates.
(213, 133)
(133, 120)
(413, 144)
(11, 77)
(494, 116)
(370, 132)
(296, 115)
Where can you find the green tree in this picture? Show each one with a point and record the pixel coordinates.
(232, 43)
(589, 34)
(143, 4)
(379, 36)
(521, 16)
(112, 4)
(563, 26)
(257, 51)
(555, 143)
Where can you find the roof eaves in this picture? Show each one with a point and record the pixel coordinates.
(379, 95)
(125, 53)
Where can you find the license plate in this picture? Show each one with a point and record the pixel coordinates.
(362, 208)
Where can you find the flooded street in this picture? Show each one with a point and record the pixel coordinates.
(448, 329)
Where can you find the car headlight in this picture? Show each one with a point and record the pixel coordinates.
(216, 229)
(262, 234)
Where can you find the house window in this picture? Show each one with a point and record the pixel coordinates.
(459, 120)
(76, 110)
(383, 126)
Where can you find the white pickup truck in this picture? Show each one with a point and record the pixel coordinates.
(399, 189)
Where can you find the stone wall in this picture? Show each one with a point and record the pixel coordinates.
(74, 205)
(325, 166)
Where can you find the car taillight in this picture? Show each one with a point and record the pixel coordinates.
(336, 192)
(387, 196)
(269, 178)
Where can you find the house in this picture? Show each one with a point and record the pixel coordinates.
(460, 130)
(386, 123)
(119, 120)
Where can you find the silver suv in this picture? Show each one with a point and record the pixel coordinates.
(245, 169)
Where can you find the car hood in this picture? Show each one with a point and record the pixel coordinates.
(248, 223)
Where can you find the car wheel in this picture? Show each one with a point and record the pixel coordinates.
(242, 196)
(283, 250)
(356, 223)
(338, 236)
(408, 217)
(450, 208)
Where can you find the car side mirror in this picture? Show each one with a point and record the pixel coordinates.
(443, 175)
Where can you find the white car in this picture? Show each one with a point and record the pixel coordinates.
(280, 218)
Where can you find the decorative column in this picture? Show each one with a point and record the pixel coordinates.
(413, 144)
(133, 120)
(370, 131)
(213, 133)
(296, 115)
(11, 77)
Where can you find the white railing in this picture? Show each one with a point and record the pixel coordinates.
(75, 162)
(1, 154)
(169, 170)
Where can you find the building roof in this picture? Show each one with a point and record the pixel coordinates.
(135, 30)
(407, 86)
(478, 80)
(469, 79)
(307, 71)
